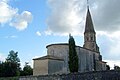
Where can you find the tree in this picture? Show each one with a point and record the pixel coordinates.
(8, 69)
(107, 67)
(1, 69)
(27, 70)
(116, 67)
(12, 64)
(73, 58)
(13, 57)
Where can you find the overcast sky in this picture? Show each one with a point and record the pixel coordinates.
(28, 26)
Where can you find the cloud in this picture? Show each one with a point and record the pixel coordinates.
(106, 15)
(12, 36)
(109, 45)
(6, 12)
(21, 21)
(38, 33)
(2, 57)
(115, 46)
(69, 16)
(112, 63)
(10, 15)
(65, 17)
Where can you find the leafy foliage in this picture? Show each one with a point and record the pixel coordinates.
(13, 57)
(73, 58)
(107, 67)
(27, 70)
(11, 66)
(116, 67)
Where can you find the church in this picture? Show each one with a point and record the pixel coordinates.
(56, 60)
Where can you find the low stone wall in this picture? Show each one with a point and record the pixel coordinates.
(9, 78)
(97, 75)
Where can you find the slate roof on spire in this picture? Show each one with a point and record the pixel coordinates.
(89, 24)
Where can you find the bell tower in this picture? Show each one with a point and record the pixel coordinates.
(90, 34)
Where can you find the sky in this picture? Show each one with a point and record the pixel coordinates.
(28, 26)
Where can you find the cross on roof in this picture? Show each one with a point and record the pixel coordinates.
(88, 4)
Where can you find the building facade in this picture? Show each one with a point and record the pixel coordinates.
(56, 60)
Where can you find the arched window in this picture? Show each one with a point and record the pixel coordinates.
(87, 38)
(91, 38)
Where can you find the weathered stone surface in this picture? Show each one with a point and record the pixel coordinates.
(55, 66)
(98, 75)
(40, 67)
(56, 60)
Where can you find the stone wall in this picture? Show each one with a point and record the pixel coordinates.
(87, 58)
(9, 78)
(60, 50)
(55, 66)
(98, 75)
(40, 67)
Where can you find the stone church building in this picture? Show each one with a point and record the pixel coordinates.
(56, 60)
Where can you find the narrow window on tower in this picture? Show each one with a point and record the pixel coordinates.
(91, 38)
(87, 38)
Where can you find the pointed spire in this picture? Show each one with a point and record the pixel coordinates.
(89, 24)
(70, 36)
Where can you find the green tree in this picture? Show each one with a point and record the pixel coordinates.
(1, 69)
(116, 67)
(27, 70)
(12, 64)
(13, 57)
(107, 67)
(10, 69)
(73, 58)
